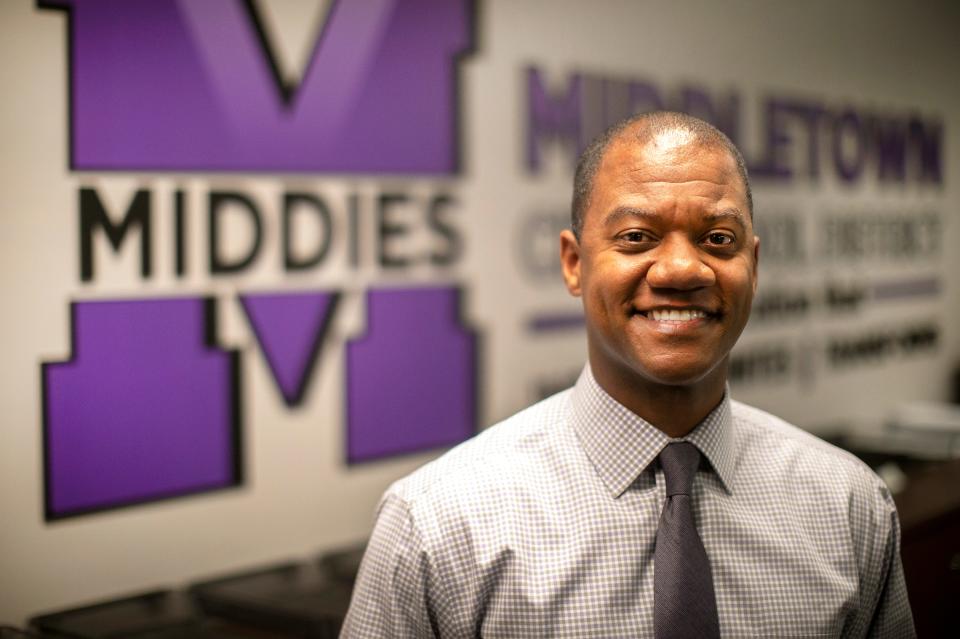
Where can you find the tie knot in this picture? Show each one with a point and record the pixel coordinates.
(679, 461)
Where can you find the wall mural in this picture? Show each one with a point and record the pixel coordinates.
(149, 406)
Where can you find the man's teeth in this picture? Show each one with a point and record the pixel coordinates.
(676, 315)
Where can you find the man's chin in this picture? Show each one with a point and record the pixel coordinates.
(633, 365)
(689, 375)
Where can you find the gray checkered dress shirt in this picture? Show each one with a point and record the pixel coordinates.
(544, 526)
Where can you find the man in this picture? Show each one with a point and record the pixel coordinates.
(643, 502)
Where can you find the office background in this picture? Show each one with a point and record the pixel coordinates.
(261, 259)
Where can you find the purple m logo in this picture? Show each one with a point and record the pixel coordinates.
(189, 86)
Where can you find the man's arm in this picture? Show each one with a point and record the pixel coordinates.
(892, 616)
(390, 596)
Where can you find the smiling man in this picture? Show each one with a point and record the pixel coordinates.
(644, 501)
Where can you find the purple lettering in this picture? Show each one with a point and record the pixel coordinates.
(810, 116)
(774, 163)
(644, 97)
(927, 139)
(849, 160)
(552, 117)
(890, 138)
(725, 114)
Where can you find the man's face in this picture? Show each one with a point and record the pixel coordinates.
(666, 262)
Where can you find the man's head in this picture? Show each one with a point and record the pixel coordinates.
(662, 252)
(644, 126)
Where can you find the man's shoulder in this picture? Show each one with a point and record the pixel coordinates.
(491, 460)
(774, 447)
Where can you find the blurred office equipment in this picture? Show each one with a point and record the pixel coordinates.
(288, 600)
(8, 632)
(343, 565)
(292, 600)
(918, 454)
(157, 614)
(929, 508)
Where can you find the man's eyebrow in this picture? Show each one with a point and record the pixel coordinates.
(734, 215)
(728, 214)
(621, 212)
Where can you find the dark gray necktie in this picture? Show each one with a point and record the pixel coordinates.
(684, 606)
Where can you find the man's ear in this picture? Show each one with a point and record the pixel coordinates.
(570, 261)
(756, 262)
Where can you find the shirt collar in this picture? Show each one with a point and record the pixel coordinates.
(621, 445)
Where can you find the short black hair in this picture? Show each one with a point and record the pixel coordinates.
(644, 126)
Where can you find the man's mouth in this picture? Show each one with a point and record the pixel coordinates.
(677, 315)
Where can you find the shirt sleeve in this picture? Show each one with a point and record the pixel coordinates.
(892, 616)
(390, 596)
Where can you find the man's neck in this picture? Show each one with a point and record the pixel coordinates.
(675, 410)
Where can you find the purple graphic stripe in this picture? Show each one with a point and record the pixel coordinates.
(145, 408)
(411, 379)
(922, 287)
(188, 86)
(550, 322)
(290, 328)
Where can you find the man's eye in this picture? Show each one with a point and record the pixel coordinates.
(636, 236)
(720, 239)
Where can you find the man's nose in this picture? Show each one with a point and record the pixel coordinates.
(679, 265)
